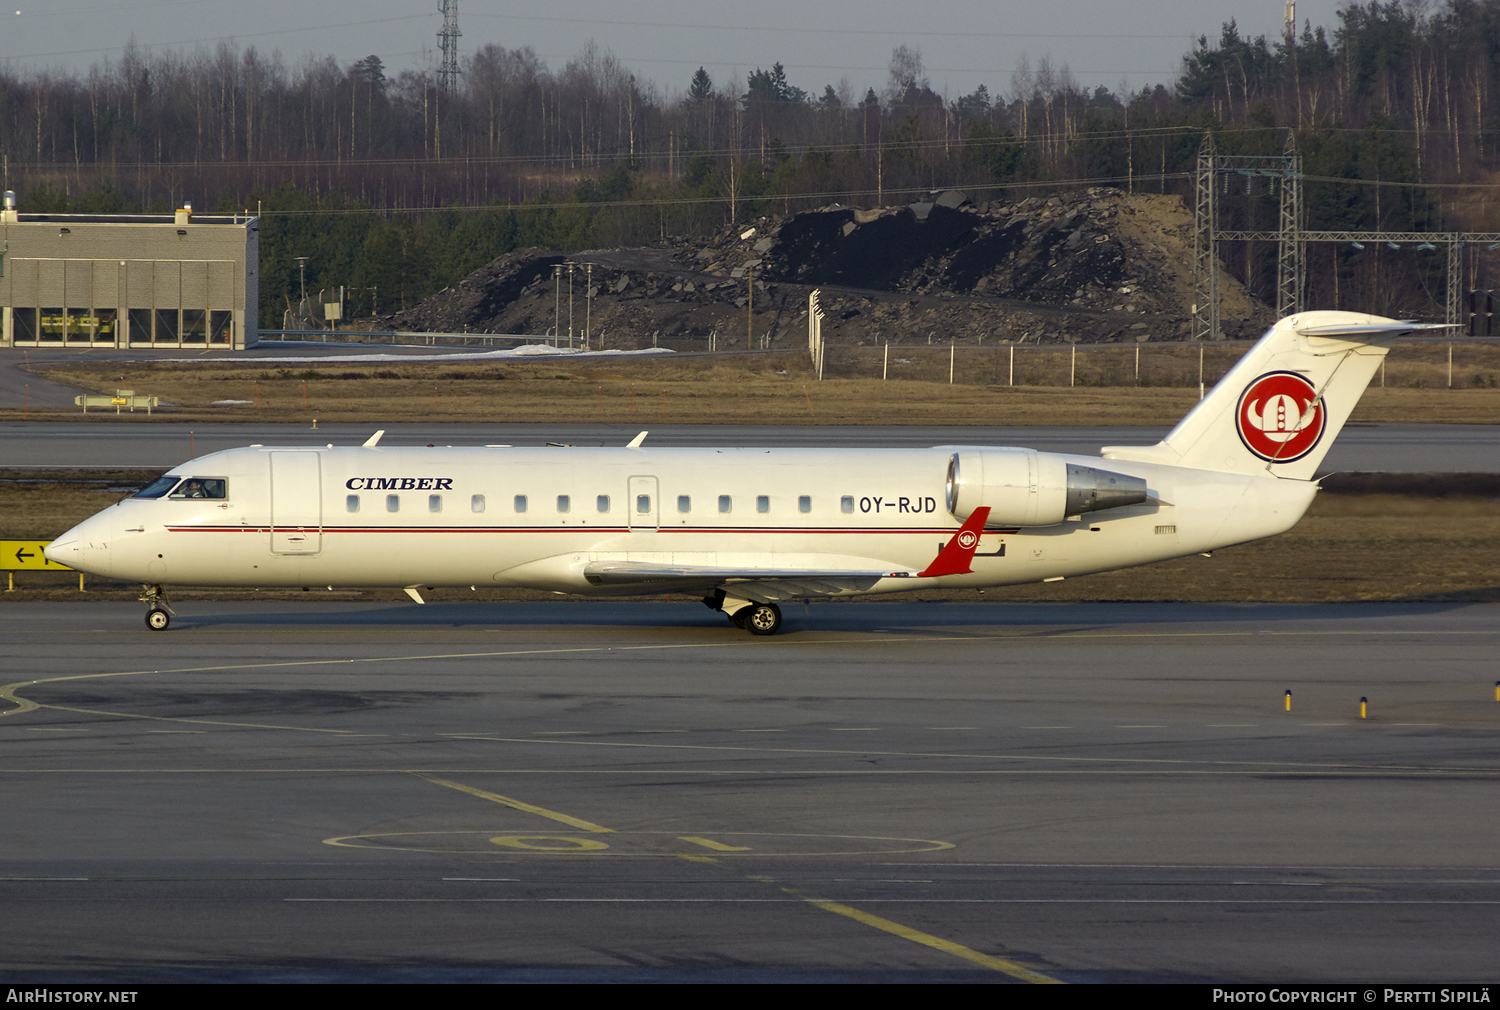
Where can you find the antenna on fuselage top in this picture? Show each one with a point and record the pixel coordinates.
(635, 443)
(373, 439)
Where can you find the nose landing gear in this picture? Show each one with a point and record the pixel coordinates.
(160, 614)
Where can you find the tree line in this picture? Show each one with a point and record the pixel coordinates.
(391, 183)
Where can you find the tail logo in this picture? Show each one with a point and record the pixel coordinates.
(1280, 417)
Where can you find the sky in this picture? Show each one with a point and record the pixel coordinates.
(964, 43)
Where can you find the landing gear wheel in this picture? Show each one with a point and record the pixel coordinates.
(157, 620)
(762, 619)
(738, 620)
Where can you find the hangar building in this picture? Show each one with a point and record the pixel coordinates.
(128, 280)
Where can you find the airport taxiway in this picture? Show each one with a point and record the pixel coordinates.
(108, 442)
(636, 792)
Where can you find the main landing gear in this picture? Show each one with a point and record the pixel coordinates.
(756, 618)
(160, 615)
(759, 619)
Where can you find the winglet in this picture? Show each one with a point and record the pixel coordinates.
(635, 443)
(955, 558)
(374, 439)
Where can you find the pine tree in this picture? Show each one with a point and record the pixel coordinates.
(701, 88)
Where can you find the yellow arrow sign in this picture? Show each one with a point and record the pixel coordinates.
(18, 555)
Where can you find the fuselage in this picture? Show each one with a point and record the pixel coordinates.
(537, 517)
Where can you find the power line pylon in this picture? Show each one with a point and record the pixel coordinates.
(1205, 265)
(448, 43)
(1290, 238)
(1291, 248)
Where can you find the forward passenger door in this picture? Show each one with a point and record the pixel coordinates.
(296, 503)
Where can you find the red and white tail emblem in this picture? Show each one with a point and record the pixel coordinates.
(1280, 417)
(957, 556)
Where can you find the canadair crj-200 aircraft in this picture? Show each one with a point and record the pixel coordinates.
(749, 528)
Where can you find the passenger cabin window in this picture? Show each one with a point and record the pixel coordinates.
(643, 504)
(393, 503)
(564, 503)
(351, 503)
(476, 503)
(158, 488)
(804, 503)
(846, 504)
(726, 503)
(762, 503)
(434, 503)
(602, 503)
(200, 487)
(684, 503)
(520, 503)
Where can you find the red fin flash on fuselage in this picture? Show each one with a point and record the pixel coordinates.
(955, 558)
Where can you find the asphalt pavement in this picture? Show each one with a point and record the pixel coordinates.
(638, 793)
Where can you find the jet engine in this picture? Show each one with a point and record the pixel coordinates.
(1023, 487)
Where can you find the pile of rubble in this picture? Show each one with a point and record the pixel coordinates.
(1094, 266)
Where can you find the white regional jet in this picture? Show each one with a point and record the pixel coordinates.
(749, 528)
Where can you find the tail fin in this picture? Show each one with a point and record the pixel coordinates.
(1280, 407)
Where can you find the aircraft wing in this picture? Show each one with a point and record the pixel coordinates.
(768, 585)
(764, 585)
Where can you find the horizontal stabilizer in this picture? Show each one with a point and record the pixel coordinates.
(1278, 410)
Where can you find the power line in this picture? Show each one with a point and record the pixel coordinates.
(215, 38)
(802, 30)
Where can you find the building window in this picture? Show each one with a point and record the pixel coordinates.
(393, 503)
(24, 322)
(476, 503)
(846, 504)
(726, 503)
(684, 503)
(602, 503)
(80, 324)
(434, 503)
(351, 503)
(104, 324)
(194, 326)
(219, 324)
(804, 503)
(54, 324)
(140, 326)
(564, 503)
(762, 503)
(166, 326)
(520, 503)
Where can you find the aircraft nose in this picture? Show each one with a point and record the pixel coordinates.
(63, 552)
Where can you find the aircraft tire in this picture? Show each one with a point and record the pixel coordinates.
(762, 619)
(158, 620)
(738, 620)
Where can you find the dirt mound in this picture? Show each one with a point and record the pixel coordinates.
(1094, 266)
(483, 295)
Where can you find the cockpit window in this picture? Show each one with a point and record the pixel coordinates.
(158, 488)
(201, 487)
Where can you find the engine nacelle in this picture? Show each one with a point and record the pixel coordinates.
(1023, 487)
